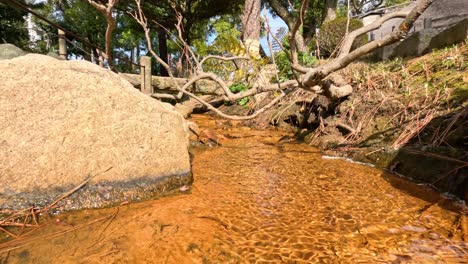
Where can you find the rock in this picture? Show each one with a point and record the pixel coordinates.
(9, 51)
(184, 110)
(210, 138)
(266, 74)
(337, 92)
(64, 121)
(54, 55)
(194, 128)
(166, 84)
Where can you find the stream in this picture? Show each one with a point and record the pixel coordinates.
(258, 198)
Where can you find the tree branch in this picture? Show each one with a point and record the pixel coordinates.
(295, 28)
(320, 79)
(282, 12)
(316, 75)
(348, 41)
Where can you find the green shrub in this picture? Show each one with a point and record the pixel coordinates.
(284, 65)
(333, 31)
(237, 88)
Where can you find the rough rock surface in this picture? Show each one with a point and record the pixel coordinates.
(9, 51)
(166, 85)
(64, 121)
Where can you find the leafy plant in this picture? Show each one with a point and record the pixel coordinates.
(243, 101)
(237, 88)
(306, 59)
(284, 65)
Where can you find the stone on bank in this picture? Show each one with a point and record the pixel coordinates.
(62, 122)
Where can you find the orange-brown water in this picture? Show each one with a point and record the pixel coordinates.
(256, 199)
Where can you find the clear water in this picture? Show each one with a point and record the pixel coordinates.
(256, 199)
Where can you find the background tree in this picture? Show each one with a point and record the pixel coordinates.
(290, 12)
(107, 9)
(13, 28)
(251, 26)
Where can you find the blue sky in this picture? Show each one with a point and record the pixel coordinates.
(275, 23)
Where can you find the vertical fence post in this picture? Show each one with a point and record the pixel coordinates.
(145, 73)
(93, 57)
(100, 58)
(62, 45)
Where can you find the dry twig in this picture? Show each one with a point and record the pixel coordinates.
(22, 218)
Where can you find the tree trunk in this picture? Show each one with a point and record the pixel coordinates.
(132, 59)
(137, 58)
(107, 11)
(329, 12)
(308, 33)
(111, 24)
(300, 43)
(290, 21)
(162, 41)
(251, 27)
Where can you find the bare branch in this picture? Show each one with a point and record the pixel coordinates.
(295, 28)
(318, 80)
(348, 41)
(268, 28)
(140, 17)
(266, 88)
(213, 77)
(100, 7)
(235, 117)
(180, 29)
(316, 75)
(209, 57)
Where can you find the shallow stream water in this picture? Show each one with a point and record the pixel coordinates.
(257, 198)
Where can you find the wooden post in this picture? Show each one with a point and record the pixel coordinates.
(93, 58)
(145, 73)
(62, 45)
(132, 59)
(100, 58)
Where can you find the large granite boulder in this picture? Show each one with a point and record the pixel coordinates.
(9, 51)
(64, 121)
